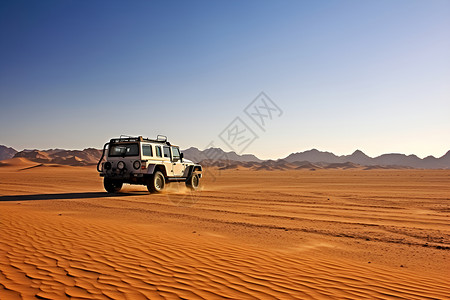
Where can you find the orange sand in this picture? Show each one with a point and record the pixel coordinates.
(246, 235)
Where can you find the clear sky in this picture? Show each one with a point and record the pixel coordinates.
(368, 75)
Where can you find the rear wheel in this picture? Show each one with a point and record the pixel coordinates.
(193, 181)
(112, 186)
(156, 183)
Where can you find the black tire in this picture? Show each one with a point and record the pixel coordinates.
(112, 186)
(193, 181)
(156, 183)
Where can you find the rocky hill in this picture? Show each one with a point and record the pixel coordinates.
(6, 152)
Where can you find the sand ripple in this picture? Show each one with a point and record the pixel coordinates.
(50, 256)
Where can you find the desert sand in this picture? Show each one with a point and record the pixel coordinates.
(340, 234)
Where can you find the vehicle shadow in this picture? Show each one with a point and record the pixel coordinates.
(68, 196)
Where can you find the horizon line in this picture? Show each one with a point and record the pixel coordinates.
(302, 151)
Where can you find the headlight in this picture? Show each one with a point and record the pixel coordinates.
(107, 165)
(137, 165)
(120, 165)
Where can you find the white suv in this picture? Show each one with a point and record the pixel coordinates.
(138, 160)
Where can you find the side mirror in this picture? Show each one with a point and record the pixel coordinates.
(181, 156)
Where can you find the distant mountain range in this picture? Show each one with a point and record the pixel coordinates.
(358, 157)
(311, 159)
(197, 155)
(315, 156)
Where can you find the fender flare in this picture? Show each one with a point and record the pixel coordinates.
(151, 168)
(191, 169)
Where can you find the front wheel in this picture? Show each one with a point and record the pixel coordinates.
(112, 186)
(193, 181)
(156, 183)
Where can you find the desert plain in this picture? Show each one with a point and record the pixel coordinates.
(295, 234)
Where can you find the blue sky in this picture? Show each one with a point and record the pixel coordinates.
(368, 75)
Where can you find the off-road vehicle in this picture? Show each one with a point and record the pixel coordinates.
(138, 160)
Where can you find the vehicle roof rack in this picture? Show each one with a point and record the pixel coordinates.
(126, 139)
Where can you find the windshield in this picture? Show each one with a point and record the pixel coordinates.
(124, 150)
(175, 153)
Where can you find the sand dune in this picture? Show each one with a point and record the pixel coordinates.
(279, 165)
(84, 157)
(347, 165)
(307, 165)
(17, 163)
(341, 234)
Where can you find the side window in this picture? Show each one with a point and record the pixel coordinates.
(166, 151)
(176, 153)
(147, 150)
(158, 151)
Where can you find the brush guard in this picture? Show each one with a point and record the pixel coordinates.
(101, 158)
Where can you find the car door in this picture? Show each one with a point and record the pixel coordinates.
(167, 160)
(177, 166)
